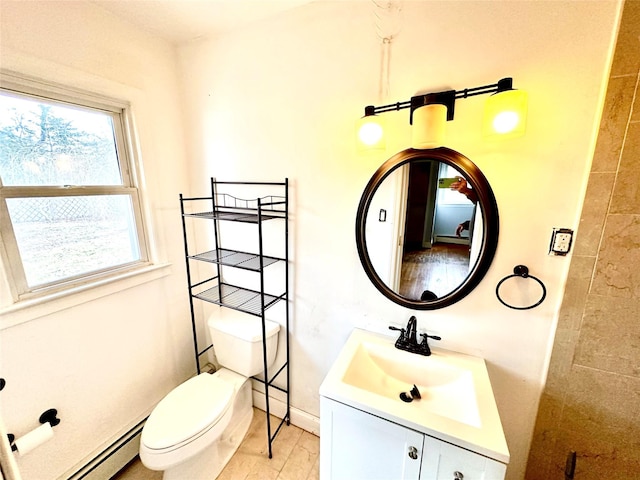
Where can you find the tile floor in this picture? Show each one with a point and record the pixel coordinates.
(296, 456)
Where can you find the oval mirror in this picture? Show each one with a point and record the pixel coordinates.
(427, 228)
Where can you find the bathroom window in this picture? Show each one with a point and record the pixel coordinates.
(69, 206)
(446, 195)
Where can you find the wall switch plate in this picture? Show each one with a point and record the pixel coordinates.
(561, 239)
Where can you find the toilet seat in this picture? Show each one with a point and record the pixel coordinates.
(188, 412)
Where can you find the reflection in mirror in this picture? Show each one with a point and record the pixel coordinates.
(431, 208)
(435, 222)
(422, 227)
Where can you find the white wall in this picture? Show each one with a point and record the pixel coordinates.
(104, 357)
(280, 99)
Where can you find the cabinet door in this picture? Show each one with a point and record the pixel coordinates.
(443, 461)
(355, 445)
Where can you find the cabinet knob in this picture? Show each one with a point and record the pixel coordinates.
(458, 476)
(413, 453)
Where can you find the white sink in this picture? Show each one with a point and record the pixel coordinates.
(456, 404)
(446, 388)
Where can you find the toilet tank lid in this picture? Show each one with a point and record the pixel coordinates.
(246, 328)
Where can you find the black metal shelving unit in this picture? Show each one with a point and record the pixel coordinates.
(223, 207)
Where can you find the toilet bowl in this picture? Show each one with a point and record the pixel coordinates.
(194, 430)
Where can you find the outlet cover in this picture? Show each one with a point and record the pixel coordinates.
(561, 239)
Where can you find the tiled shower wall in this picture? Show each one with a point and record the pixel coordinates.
(591, 402)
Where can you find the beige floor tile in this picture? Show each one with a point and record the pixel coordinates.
(239, 467)
(298, 464)
(314, 474)
(282, 446)
(295, 456)
(263, 472)
(136, 471)
(310, 442)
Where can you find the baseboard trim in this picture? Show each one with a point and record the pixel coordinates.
(112, 459)
(278, 407)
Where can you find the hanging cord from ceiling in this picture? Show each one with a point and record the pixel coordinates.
(387, 17)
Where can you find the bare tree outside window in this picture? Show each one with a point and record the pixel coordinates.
(66, 190)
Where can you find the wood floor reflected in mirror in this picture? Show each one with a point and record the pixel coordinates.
(439, 269)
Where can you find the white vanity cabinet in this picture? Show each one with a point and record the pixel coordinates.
(450, 430)
(355, 445)
(443, 461)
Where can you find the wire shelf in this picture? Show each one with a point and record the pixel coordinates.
(235, 258)
(234, 209)
(237, 298)
(234, 216)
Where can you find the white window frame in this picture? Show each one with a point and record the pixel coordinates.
(123, 133)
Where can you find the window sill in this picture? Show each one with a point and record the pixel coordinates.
(27, 310)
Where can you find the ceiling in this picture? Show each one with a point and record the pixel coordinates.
(180, 21)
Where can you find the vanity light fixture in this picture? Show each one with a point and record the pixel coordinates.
(505, 114)
(371, 130)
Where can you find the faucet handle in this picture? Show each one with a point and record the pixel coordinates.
(401, 330)
(424, 345)
(425, 336)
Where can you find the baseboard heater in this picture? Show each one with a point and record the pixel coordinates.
(112, 459)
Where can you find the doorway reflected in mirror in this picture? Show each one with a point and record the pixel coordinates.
(439, 230)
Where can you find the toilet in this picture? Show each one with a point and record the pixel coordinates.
(193, 431)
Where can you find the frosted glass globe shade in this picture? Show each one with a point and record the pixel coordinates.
(370, 133)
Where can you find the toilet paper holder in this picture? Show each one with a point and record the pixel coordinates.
(48, 416)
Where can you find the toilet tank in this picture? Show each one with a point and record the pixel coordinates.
(237, 342)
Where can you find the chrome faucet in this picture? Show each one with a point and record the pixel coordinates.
(408, 340)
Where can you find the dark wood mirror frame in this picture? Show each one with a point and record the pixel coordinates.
(489, 211)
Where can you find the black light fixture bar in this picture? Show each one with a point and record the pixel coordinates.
(371, 110)
(447, 98)
(501, 86)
